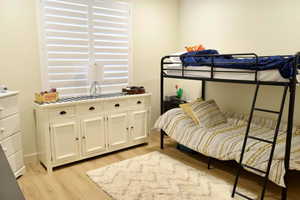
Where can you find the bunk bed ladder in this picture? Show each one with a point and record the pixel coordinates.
(273, 143)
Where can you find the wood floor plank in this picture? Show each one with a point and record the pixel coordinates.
(71, 182)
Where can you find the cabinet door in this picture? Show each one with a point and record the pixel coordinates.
(65, 142)
(117, 129)
(139, 128)
(93, 135)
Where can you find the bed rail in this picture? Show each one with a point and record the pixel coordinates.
(215, 69)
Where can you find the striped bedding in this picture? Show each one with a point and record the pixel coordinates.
(224, 142)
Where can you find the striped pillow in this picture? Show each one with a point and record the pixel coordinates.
(188, 109)
(208, 113)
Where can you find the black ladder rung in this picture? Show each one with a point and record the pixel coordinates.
(265, 110)
(255, 169)
(242, 195)
(262, 140)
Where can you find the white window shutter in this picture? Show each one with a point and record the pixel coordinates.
(86, 40)
(111, 33)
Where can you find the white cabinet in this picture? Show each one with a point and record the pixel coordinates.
(93, 135)
(65, 142)
(10, 132)
(118, 130)
(138, 128)
(72, 131)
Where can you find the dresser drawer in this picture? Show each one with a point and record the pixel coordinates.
(9, 126)
(139, 102)
(16, 161)
(12, 144)
(116, 105)
(8, 106)
(89, 108)
(63, 112)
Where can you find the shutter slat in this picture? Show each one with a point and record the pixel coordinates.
(113, 31)
(111, 61)
(67, 69)
(68, 83)
(67, 63)
(64, 5)
(98, 16)
(111, 11)
(79, 2)
(55, 12)
(115, 80)
(68, 42)
(67, 56)
(64, 20)
(67, 76)
(111, 50)
(54, 48)
(110, 37)
(117, 5)
(68, 35)
(73, 91)
(101, 23)
(110, 44)
(64, 27)
(108, 74)
(115, 68)
(111, 56)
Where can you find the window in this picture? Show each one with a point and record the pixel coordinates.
(84, 41)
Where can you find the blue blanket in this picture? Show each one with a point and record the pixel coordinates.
(283, 64)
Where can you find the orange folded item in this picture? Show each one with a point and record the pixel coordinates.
(195, 48)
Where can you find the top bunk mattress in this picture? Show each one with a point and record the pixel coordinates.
(271, 75)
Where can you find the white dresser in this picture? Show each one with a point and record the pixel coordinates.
(76, 130)
(10, 131)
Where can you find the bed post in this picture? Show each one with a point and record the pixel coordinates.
(162, 98)
(203, 91)
(293, 83)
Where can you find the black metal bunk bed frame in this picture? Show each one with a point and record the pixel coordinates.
(291, 84)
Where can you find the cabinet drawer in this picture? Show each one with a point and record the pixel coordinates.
(8, 106)
(63, 112)
(116, 105)
(12, 144)
(89, 108)
(9, 126)
(16, 161)
(140, 102)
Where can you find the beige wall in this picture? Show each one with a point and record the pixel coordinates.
(19, 61)
(263, 26)
(154, 35)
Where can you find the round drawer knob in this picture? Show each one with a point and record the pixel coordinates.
(117, 105)
(92, 108)
(139, 102)
(63, 113)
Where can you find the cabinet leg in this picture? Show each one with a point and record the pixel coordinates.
(49, 170)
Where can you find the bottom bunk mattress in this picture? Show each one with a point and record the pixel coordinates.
(224, 142)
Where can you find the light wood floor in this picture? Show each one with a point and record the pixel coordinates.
(71, 183)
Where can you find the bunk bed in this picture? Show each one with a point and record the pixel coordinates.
(245, 68)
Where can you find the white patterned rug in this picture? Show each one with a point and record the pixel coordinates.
(155, 176)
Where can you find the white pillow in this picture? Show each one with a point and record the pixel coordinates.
(176, 59)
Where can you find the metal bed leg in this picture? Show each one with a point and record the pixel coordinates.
(284, 194)
(162, 139)
(209, 163)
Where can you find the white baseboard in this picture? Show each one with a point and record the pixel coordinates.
(30, 158)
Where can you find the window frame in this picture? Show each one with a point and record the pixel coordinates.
(43, 58)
